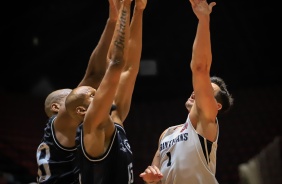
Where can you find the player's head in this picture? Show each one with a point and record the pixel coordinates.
(78, 101)
(221, 95)
(55, 100)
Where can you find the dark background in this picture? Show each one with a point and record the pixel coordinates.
(46, 46)
(245, 43)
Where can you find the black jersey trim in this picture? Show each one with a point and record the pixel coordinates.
(209, 146)
(209, 143)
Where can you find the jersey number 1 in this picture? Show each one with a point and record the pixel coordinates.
(169, 159)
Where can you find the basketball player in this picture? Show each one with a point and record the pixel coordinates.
(187, 152)
(104, 151)
(56, 155)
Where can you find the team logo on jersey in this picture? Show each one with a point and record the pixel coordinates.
(125, 142)
(125, 146)
(179, 138)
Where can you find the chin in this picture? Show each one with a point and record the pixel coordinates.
(188, 105)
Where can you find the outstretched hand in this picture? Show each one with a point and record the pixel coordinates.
(201, 7)
(151, 174)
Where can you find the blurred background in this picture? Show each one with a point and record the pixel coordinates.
(46, 46)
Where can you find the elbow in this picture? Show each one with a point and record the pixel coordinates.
(200, 63)
(199, 67)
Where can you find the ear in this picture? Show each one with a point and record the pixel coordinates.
(55, 107)
(80, 110)
(219, 106)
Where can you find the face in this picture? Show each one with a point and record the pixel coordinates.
(89, 95)
(189, 103)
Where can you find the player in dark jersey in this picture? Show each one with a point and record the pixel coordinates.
(56, 163)
(105, 156)
(63, 126)
(115, 165)
(187, 152)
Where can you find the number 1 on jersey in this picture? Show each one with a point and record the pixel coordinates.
(169, 159)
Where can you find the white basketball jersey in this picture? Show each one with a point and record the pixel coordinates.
(182, 158)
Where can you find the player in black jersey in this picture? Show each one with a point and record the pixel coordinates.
(105, 156)
(56, 156)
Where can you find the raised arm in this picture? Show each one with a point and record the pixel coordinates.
(205, 109)
(98, 64)
(127, 82)
(64, 124)
(98, 127)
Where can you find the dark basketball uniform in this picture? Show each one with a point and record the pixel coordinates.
(56, 164)
(114, 166)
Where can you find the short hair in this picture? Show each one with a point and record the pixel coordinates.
(223, 96)
(57, 96)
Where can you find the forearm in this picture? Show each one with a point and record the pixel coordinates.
(101, 50)
(135, 41)
(202, 43)
(201, 53)
(119, 45)
(97, 63)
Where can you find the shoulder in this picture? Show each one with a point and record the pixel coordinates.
(119, 127)
(169, 130)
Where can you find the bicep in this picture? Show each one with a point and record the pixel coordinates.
(204, 94)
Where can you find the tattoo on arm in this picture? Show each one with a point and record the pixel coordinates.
(121, 31)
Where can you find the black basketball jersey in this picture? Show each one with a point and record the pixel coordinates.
(56, 163)
(114, 166)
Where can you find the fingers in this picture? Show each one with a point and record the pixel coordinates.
(211, 5)
(154, 170)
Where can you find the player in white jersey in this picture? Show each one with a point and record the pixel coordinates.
(181, 145)
(187, 152)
